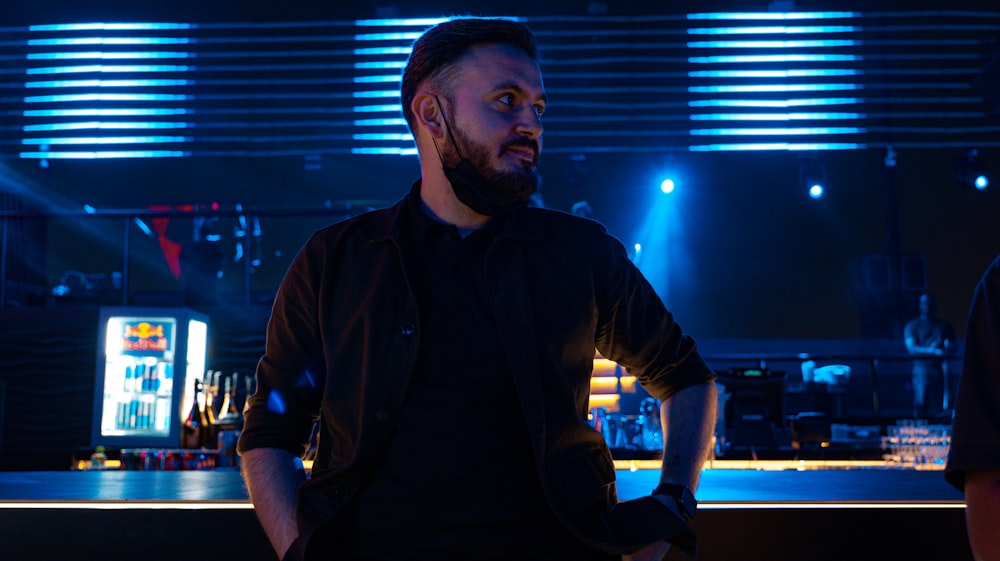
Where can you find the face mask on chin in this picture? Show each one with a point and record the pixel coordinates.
(487, 194)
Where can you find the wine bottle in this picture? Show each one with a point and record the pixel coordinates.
(229, 415)
(211, 390)
(195, 424)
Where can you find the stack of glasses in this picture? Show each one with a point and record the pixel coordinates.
(912, 443)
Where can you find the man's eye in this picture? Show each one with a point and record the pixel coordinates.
(539, 110)
(507, 99)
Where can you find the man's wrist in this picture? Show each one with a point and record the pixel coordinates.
(682, 496)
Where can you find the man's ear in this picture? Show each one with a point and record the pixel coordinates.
(428, 114)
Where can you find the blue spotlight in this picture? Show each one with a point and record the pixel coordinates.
(815, 190)
(667, 186)
(971, 171)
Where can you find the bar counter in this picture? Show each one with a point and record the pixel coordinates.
(748, 511)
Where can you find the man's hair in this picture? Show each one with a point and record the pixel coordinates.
(438, 48)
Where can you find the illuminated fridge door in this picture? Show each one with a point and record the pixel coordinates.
(145, 357)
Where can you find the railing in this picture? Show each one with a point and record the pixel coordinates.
(875, 361)
(132, 219)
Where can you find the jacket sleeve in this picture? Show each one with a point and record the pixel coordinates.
(637, 331)
(281, 412)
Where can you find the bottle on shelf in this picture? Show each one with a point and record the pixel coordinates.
(229, 414)
(194, 431)
(99, 459)
(211, 390)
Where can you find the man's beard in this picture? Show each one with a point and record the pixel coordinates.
(479, 185)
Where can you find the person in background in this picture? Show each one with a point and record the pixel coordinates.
(973, 464)
(446, 346)
(930, 338)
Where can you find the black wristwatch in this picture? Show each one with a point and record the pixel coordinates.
(686, 503)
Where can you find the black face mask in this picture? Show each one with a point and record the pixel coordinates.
(472, 188)
(477, 192)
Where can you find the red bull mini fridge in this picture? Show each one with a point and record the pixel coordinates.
(146, 359)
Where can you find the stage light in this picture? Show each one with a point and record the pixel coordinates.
(667, 186)
(812, 175)
(970, 170)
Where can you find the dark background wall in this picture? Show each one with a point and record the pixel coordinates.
(748, 254)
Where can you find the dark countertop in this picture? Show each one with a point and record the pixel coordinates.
(717, 486)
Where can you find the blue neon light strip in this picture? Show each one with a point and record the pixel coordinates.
(54, 141)
(774, 88)
(55, 155)
(405, 51)
(775, 146)
(110, 26)
(110, 41)
(376, 108)
(757, 59)
(105, 68)
(381, 65)
(107, 83)
(772, 30)
(801, 44)
(382, 151)
(408, 36)
(782, 103)
(776, 116)
(144, 55)
(71, 98)
(772, 15)
(792, 73)
(376, 94)
(95, 112)
(377, 79)
(105, 125)
(777, 132)
(422, 22)
(398, 122)
(382, 136)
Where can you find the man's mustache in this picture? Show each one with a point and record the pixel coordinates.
(522, 142)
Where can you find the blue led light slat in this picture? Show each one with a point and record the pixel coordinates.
(107, 83)
(109, 55)
(109, 41)
(796, 131)
(772, 15)
(76, 98)
(776, 146)
(775, 116)
(89, 125)
(103, 68)
(797, 44)
(57, 155)
(773, 30)
(781, 103)
(54, 141)
(137, 26)
(107, 112)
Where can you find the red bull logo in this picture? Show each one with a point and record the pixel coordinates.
(144, 336)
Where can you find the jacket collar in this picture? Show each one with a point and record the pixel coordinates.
(519, 224)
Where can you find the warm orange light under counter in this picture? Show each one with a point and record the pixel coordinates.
(608, 401)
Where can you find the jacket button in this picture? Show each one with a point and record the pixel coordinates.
(382, 414)
(409, 329)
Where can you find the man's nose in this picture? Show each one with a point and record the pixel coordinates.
(530, 124)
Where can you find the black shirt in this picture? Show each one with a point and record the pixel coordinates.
(458, 479)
